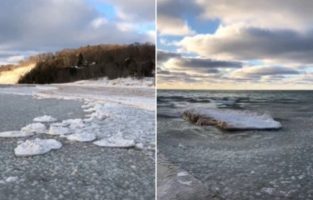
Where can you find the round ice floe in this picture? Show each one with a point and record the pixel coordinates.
(82, 137)
(34, 128)
(89, 110)
(184, 178)
(115, 141)
(45, 118)
(15, 134)
(97, 115)
(74, 123)
(36, 147)
(139, 146)
(58, 130)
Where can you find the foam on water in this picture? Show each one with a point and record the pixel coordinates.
(36, 147)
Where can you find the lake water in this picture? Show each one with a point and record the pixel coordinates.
(244, 164)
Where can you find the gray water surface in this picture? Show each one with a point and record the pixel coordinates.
(257, 165)
(17, 111)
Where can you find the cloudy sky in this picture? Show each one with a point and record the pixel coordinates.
(31, 26)
(242, 44)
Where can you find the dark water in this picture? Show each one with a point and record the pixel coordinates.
(17, 111)
(246, 164)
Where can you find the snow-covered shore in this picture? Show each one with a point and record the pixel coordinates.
(118, 113)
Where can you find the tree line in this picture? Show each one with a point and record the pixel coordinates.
(112, 61)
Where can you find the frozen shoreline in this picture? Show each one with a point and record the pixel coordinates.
(103, 107)
(81, 170)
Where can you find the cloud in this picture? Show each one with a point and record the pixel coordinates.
(135, 10)
(174, 77)
(250, 43)
(268, 42)
(306, 78)
(98, 22)
(11, 59)
(51, 25)
(166, 55)
(206, 63)
(177, 8)
(257, 72)
(172, 62)
(170, 16)
(267, 14)
(173, 26)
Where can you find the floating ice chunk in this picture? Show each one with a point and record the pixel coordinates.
(45, 118)
(35, 128)
(74, 123)
(184, 178)
(96, 112)
(182, 173)
(15, 134)
(58, 130)
(269, 191)
(87, 106)
(82, 137)
(11, 179)
(230, 119)
(36, 147)
(139, 146)
(115, 141)
(97, 115)
(88, 110)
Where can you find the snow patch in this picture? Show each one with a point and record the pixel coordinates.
(36, 147)
(230, 119)
(119, 82)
